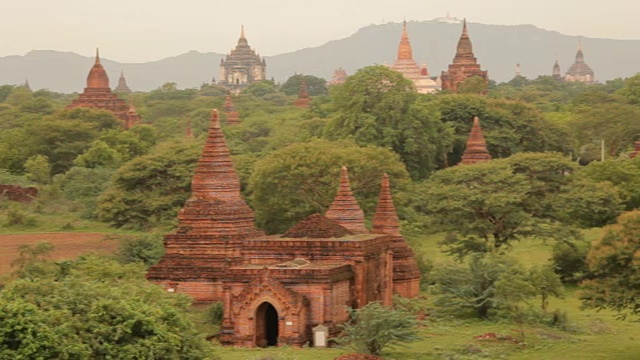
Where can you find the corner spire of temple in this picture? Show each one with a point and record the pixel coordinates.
(344, 209)
(476, 150)
(464, 43)
(385, 220)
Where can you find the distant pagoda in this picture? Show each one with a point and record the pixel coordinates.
(303, 96)
(556, 74)
(465, 64)
(233, 118)
(241, 67)
(122, 85)
(476, 150)
(580, 71)
(339, 76)
(405, 65)
(98, 94)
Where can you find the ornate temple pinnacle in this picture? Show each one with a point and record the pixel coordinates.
(385, 220)
(344, 209)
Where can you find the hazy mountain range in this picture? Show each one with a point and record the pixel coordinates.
(498, 49)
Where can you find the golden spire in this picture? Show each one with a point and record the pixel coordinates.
(404, 49)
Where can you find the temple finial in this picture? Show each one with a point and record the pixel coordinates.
(97, 55)
(242, 31)
(464, 27)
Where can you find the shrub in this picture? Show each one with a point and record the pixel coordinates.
(18, 217)
(569, 260)
(215, 313)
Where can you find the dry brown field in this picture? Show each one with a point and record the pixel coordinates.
(66, 245)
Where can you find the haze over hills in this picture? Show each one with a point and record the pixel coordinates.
(497, 47)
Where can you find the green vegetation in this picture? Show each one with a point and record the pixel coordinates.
(505, 247)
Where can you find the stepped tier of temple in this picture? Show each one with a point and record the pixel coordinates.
(241, 67)
(233, 117)
(276, 288)
(464, 66)
(405, 65)
(476, 150)
(98, 95)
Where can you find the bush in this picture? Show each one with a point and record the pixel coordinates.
(569, 260)
(215, 313)
(146, 248)
(18, 217)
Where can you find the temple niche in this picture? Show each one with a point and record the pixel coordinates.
(98, 95)
(276, 288)
(580, 71)
(241, 67)
(405, 65)
(465, 64)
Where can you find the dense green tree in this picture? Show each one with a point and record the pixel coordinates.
(95, 308)
(589, 204)
(473, 85)
(99, 154)
(315, 85)
(378, 106)
(631, 89)
(375, 327)
(614, 280)
(301, 179)
(546, 283)
(150, 189)
(261, 88)
(37, 169)
(84, 185)
(570, 260)
(623, 173)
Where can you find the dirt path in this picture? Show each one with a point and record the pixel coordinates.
(66, 245)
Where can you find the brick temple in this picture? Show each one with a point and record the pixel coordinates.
(303, 99)
(464, 66)
(407, 66)
(276, 288)
(98, 95)
(580, 71)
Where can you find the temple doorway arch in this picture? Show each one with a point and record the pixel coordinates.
(267, 325)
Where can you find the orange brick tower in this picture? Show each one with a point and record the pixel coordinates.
(98, 94)
(345, 210)
(406, 274)
(233, 118)
(476, 150)
(465, 64)
(132, 116)
(303, 96)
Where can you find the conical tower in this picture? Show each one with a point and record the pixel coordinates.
(465, 64)
(303, 96)
(476, 150)
(122, 85)
(26, 85)
(407, 66)
(556, 74)
(404, 48)
(406, 274)
(580, 71)
(233, 118)
(344, 209)
(211, 226)
(97, 78)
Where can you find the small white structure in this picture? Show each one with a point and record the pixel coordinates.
(320, 334)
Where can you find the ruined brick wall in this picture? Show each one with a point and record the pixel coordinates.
(18, 193)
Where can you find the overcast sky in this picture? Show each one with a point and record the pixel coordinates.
(146, 30)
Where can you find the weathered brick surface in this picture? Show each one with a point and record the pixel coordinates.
(465, 64)
(476, 150)
(18, 193)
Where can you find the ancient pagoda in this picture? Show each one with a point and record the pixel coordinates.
(233, 118)
(476, 150)
(241, 67)
(98, 94)
(405, 65)
(580, 71)
(339, 76)
(465, 64)
(132, 116)
(122, 85)
(303, 99)
(276, 288)
(555, 73)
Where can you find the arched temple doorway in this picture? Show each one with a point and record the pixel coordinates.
(267, 326)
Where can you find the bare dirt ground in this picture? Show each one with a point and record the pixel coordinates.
(65, 246)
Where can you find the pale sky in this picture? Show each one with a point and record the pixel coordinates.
(147, 30)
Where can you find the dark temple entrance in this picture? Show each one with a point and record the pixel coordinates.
(266, 325)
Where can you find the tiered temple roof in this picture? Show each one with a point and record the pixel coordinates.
(303, 96)
(580, 71)
(405, 65)
(233, 118)
(122, 85)
(465, 64)
(344, 209)
(476, 150)
(98, 94)
(339, 76)
(242, 66)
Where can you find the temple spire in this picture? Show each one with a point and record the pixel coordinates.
(476, 150)
(385, 220)
(404, 49)
(303, 96)
(464, 44)
(344, 209)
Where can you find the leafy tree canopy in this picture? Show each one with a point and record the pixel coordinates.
(315, 85)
